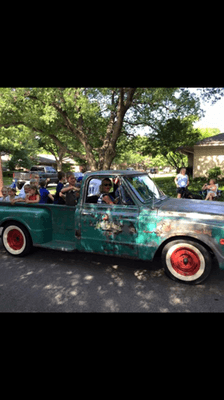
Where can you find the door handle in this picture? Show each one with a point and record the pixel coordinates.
(87, 213)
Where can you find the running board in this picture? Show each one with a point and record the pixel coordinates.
(59, 245)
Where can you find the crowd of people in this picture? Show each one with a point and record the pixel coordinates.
(67, 191)
(35, 191)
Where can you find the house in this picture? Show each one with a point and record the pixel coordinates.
(48, 159)
(205, 154)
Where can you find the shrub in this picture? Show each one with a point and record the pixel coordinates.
(214, 173)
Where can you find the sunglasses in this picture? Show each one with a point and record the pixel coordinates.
(107, 184)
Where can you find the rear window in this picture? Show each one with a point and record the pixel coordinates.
(51, 170)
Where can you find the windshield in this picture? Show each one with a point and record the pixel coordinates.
(144, 188)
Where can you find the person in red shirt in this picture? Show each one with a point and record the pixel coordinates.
(33, 196)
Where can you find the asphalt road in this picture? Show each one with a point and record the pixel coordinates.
(53, 281)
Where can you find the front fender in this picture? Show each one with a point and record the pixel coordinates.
(207, 233)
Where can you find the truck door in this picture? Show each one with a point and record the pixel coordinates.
(95, 236)
(108, 229)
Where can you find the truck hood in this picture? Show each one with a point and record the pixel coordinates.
(199, 209)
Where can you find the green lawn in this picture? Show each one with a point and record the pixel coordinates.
(7, 181)
(169, 188)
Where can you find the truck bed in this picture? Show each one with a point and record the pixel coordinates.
(50, 225)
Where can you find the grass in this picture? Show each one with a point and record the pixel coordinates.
(169, 188)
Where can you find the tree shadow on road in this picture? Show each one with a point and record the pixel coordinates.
(54, 281)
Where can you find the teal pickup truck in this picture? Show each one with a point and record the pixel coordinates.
(187, 234)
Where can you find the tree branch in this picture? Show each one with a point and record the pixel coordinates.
(128, 102)
(12, 124)
(63, 147)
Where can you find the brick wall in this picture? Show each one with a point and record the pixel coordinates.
(206, 157)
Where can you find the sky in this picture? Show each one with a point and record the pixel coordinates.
(214, 116)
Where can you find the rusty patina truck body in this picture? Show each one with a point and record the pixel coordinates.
(186, 233)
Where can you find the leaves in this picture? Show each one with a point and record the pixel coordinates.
(89, 123)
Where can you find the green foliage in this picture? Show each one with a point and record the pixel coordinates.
(207, 132)
(171, 135)
(20, 159)
(88, 123)
(214, 173)
(20, 142)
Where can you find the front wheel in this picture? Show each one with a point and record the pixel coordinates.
(186, 261)
(16, 239)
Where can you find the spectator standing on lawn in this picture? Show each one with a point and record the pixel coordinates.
(181, 181)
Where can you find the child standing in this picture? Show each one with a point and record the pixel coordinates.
(62, 180)
(44, 193)
(4, 194)
(33, 195)
(71, 190)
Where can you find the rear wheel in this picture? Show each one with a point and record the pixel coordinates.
(16, 239)
(186, 261)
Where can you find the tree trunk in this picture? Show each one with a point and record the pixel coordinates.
(108, 150)
(59, 164)
(92, 164)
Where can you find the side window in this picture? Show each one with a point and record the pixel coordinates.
(117, 191)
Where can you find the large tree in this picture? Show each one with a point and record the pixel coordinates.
(70, 118)
(87, 122)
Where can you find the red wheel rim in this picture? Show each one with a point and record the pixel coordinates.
(15, 239)
(185, 261)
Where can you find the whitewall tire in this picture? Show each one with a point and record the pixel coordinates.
(186, 261)
(16, 239)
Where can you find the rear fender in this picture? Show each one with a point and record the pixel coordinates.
(37, 221)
